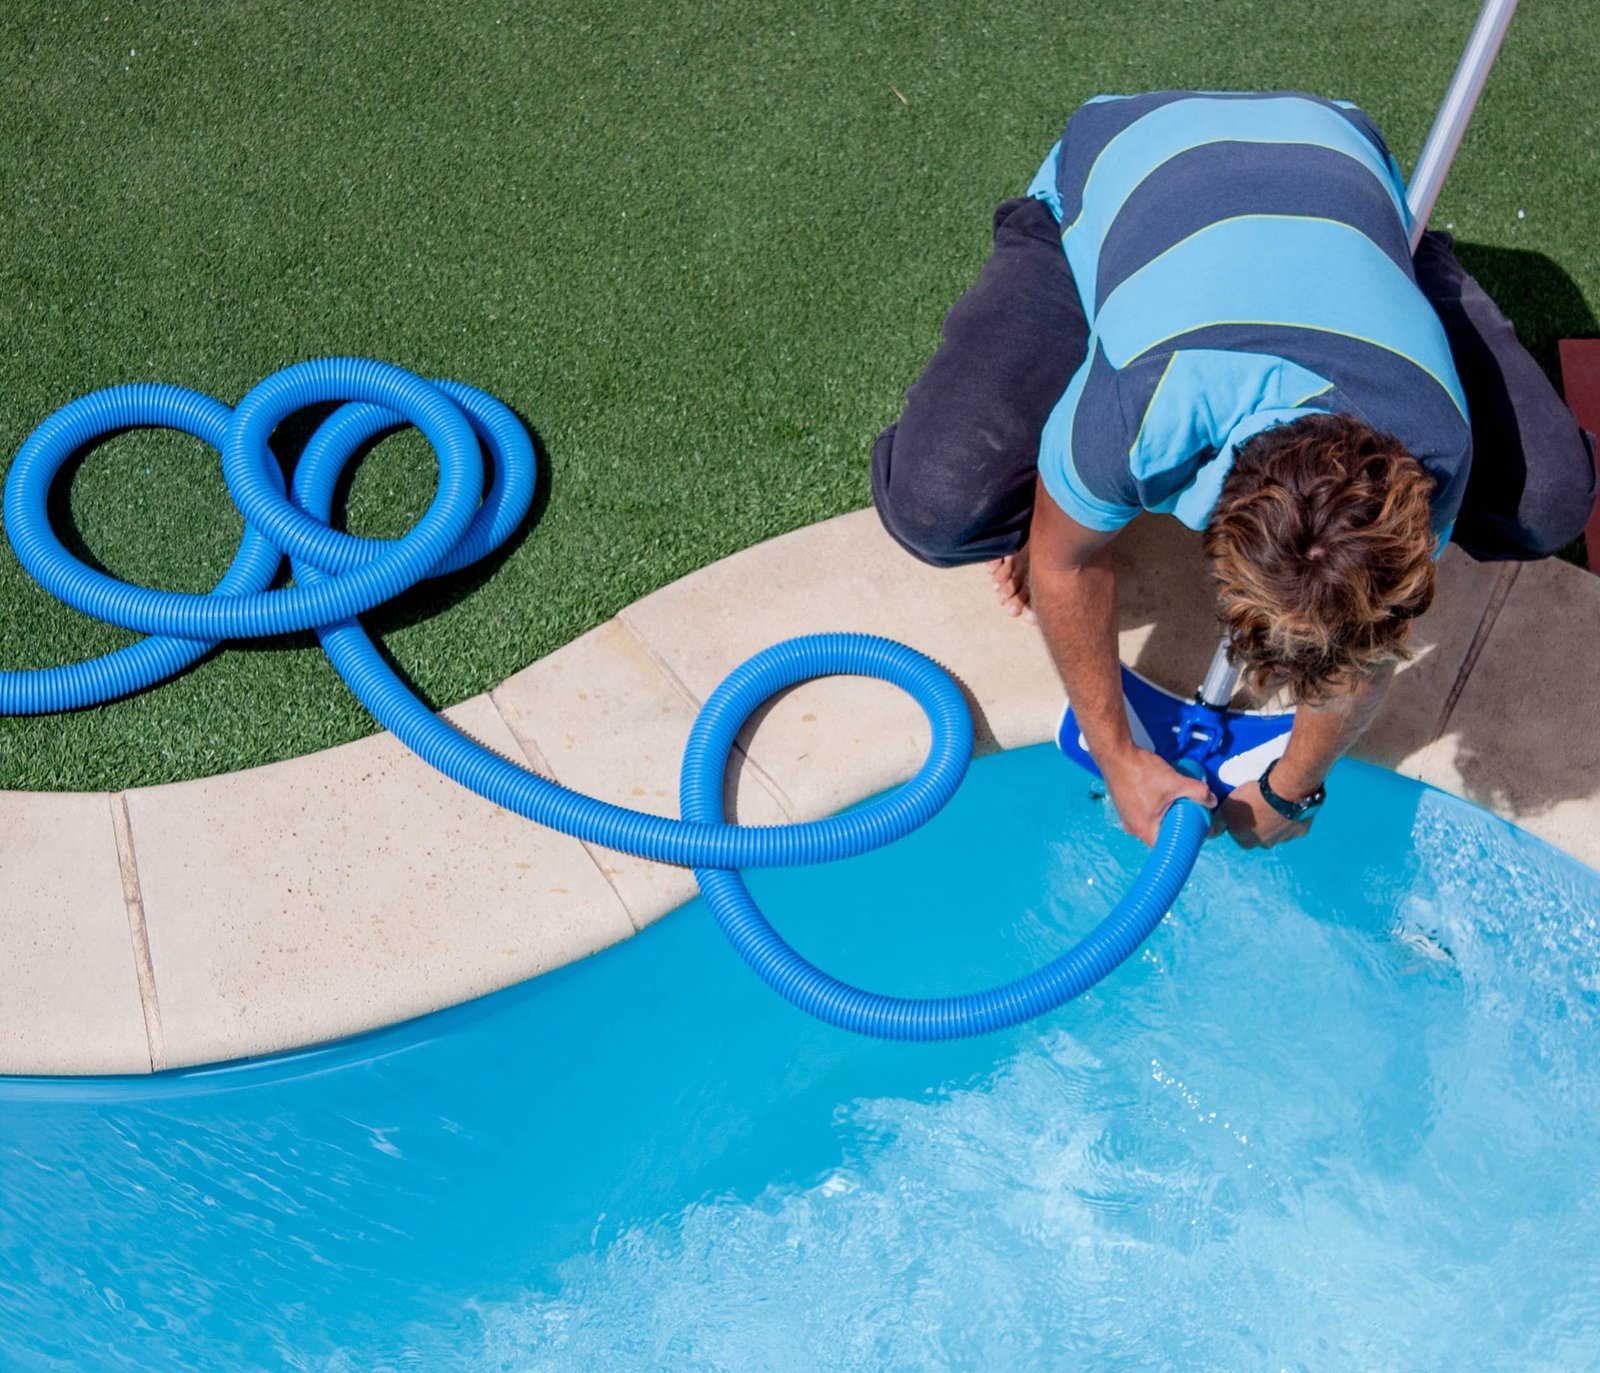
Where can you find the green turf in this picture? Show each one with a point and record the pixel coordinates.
(702, 248)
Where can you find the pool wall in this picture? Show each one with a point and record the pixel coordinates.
(297, 903)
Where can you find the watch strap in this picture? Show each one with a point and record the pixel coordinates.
(1289, 810)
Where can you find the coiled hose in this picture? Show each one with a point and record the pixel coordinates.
(337, 576)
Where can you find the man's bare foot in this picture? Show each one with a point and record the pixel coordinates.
(1010, 578)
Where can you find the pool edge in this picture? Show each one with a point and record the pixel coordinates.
(287, 906)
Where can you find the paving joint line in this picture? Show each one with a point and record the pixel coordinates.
(1480, 637)
(540, 764)
(138, 931)
(764, 779)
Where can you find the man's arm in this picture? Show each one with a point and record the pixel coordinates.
(1074, 596)
(1320, 737)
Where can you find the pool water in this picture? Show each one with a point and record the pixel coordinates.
(1340, 1111)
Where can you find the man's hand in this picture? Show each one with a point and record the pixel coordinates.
(1074, 586)
(1252, 822)
(1143, 786)
(1320, 736)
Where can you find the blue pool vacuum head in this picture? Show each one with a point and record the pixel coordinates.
(1231, 747)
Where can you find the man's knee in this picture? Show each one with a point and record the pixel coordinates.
(937, 519)
(1533, 484)
(1555, 500)
(1560, 494)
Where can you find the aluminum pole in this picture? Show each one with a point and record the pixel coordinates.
(1444, 138)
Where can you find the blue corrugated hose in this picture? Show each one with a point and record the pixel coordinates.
(337, 576)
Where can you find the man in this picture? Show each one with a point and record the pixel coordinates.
(1206, 306)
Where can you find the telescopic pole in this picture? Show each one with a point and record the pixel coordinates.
(1444, 138)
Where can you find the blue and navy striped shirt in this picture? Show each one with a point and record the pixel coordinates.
(1242, 261)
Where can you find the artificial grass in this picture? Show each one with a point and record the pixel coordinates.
(701, 249)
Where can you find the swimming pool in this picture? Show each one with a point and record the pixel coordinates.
(1338, 1112)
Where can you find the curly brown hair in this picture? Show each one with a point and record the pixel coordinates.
(1322, 552)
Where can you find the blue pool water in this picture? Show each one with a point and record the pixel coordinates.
(1340, 1112)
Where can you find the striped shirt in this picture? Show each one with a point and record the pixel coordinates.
(1242, 261)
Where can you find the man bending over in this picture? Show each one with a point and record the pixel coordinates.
(1206, 306)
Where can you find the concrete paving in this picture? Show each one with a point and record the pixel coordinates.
(69, 964)
(308, 900)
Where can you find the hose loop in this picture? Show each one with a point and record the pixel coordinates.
(337, 576)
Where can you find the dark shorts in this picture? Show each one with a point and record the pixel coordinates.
(953, 478)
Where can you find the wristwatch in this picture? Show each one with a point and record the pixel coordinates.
(1303, 809)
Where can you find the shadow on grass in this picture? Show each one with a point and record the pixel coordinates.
(1537, 294)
